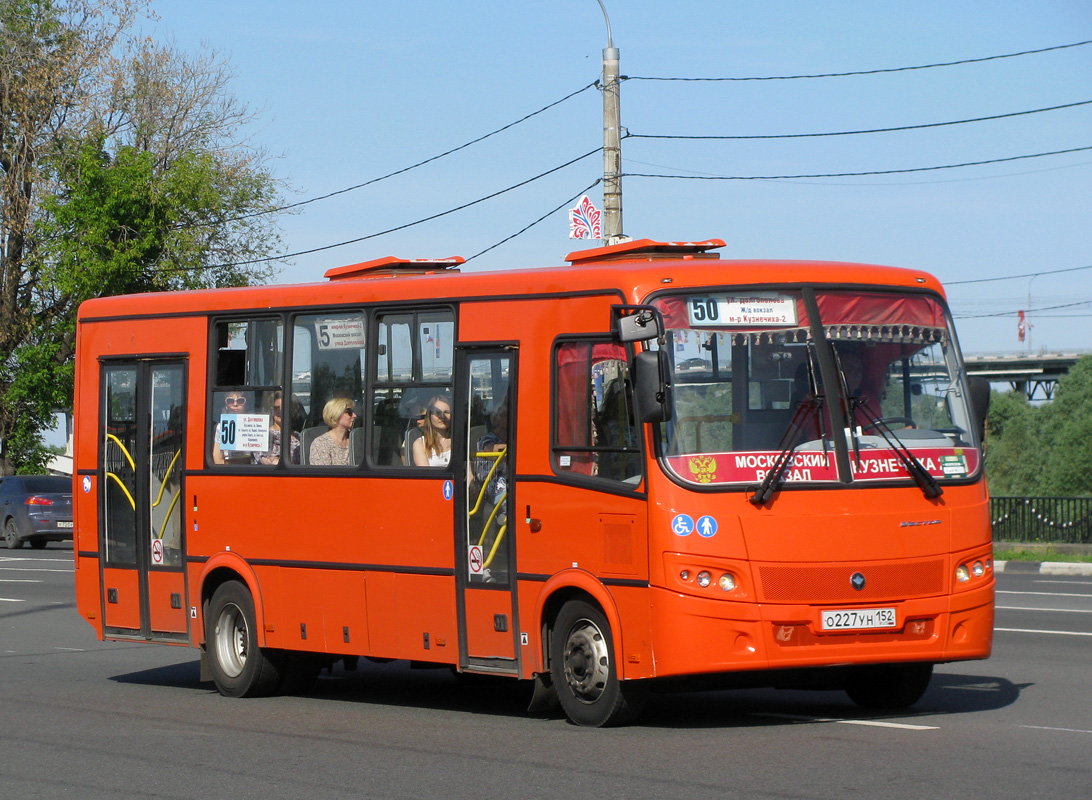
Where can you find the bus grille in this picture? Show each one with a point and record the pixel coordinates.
(831, 583)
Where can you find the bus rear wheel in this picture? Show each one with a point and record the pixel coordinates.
(585, 672)
(239, 667)
(888, 686)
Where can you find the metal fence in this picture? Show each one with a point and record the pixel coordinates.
(1060, 520)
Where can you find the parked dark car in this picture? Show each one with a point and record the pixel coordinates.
(35, 509)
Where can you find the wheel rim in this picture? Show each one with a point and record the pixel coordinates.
(11, 536)
(587, 661)
(232, 640)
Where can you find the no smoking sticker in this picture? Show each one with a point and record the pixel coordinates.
(474, 558)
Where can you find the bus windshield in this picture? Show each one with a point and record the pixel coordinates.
(752, 384)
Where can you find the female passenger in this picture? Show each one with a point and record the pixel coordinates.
(433, 449)
(332, 448)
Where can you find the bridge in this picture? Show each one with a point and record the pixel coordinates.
(1035, 375)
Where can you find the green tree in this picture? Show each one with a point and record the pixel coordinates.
(123, 170)
(1068, 420)
(1013, 445)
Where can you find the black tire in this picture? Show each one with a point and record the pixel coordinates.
(239, 667)
(584, 670)
(38, 544)
(888, 686)
(11, 535)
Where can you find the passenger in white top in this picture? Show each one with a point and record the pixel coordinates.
(433, 449)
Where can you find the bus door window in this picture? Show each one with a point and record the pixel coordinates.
(119, 453)
(489, 491)
(165, 465)
(413, 374)
(596, 433)
(247, 386)
(328, 354)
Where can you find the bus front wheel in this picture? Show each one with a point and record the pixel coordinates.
(240, 668)
(585, 672)
(888, 686)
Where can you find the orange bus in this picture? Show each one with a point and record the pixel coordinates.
(648, 469)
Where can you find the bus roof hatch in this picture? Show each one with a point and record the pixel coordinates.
(392, 265)
(645, 250)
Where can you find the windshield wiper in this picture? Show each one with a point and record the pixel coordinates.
(789, 442)
(925, 481)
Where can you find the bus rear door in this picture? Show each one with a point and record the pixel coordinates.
(140, 475)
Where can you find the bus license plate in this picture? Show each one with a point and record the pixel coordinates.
(858, 619)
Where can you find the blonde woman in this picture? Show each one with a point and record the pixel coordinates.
(332, 448)
(433, 448)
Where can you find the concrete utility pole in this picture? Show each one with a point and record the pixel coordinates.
(612, 141)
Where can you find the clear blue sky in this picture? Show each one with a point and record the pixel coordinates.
(350, 91)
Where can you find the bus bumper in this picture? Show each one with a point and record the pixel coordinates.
(700, 636)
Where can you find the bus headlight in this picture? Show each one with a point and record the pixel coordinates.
(704, 578)
(962, 573)
(978, 570)
(727, 582)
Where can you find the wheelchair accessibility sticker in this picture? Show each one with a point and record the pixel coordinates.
(682, 525)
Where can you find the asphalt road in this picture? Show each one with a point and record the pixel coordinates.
(86, 719)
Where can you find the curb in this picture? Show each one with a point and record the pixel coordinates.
(1044, 567)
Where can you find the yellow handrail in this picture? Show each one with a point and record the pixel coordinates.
(128, 457)
(170, 510)
(163, 485)
(498, 455)
(132, 502)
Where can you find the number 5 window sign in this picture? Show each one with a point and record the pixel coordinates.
(742, 310)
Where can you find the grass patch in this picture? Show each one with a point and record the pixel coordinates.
(1045, 554)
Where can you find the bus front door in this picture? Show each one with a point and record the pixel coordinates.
(141, 543)
(485, 550)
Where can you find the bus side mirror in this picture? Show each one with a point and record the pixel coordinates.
(643, 324)
(652, 386)
(979, 389)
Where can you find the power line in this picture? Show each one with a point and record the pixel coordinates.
(872, 71)
(401, 171)
(389, 230)
(852, 174)
(860, 132)
(1014, 277)
(1029, 311)
(526, 228)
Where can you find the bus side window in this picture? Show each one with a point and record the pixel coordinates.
(328, 357)
(415, 351)
(596, 432)
(246, 392)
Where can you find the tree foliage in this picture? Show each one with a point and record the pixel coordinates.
(124, 169)
(1043, 451)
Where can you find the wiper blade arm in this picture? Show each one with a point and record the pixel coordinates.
(789, 441)
(925, 481)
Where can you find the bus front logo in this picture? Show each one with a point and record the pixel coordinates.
(857, 581)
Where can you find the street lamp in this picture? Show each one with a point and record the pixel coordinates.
(612, 141)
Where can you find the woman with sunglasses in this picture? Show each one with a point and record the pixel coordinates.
(332, 448)
(235, 402)
(276, 434)
(433, 448)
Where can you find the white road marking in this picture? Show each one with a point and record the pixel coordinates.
(31, 569)
(1046, 728)
(11, 600)
(1060, 610)
(867, 722)
(1047, 594)
(1059, 633)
